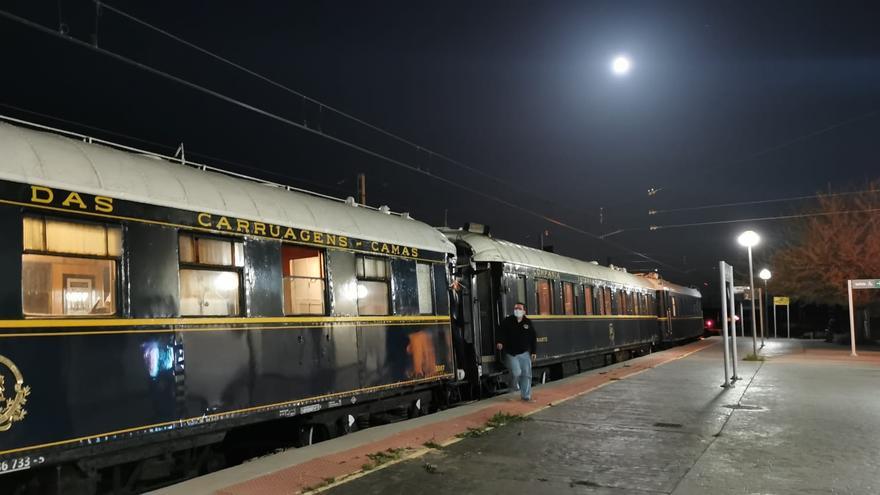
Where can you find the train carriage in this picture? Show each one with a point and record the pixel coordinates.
(585, 315)
(150, 307)
(680, 313)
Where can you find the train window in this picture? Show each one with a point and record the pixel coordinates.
(214, 291)
(674, 306)
(373, 286)
(614, 302)
(303, 272)
(210, 251)
(588, 300)
(621, 302)
(568, 301)
(606, 301)
(69, 268)
(426, 292)
(545, 296)
(521, 289)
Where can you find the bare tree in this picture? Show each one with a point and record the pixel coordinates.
(841, 241)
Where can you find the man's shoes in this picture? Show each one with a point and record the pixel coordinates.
(529, 400)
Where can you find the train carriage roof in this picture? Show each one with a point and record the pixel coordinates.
(489, 249)
(52, 160)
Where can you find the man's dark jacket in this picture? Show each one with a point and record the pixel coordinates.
(517, 337)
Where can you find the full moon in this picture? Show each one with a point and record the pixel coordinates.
(620, 65)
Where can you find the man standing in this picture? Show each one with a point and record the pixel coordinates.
(518, 341)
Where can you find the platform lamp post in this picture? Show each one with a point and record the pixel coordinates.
(764, 275)
(750, 239)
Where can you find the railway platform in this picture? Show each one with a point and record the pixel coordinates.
(804, 420)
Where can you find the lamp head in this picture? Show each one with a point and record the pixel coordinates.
(749, 238)
(764, 274)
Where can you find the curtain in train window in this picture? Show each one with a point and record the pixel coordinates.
(303, 283)
(674, 306)
(209, 292)
(545, 296)
(373, 289)
(69, 268)
(568, 301)
(588, 300)
(426, 288)
(210, 277)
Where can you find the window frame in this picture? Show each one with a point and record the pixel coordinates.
(431, 288)
(117, 263)
(233, 268)
(572, 303)
(322, 252)
(589, 308)
(549, 282)
(359, 258)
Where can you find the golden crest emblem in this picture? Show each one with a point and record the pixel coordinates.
(12, 408)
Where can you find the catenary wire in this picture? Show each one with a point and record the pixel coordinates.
(299, 94)
(284, 120)
(762, 201)
(760, 219)
(171, 148)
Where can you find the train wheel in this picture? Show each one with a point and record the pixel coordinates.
(310, 434)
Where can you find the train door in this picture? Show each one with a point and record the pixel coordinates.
(665, 314)
(484, 309)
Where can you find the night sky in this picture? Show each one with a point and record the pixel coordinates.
(726, 102)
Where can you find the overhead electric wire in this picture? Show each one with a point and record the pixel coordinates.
(760, 219)
(762, 201)
(172, 148)
(284, 120)
(299, 94)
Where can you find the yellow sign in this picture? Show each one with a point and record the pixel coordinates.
(780, 301)
(12, 408)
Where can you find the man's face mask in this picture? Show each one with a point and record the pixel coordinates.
(519, 313)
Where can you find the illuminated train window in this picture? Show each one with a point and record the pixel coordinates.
(588, 299)
(210, 278)
(373, 286)
(545, 296)
(568, 299)
(69, 268)
(303, 271)
(426, 292)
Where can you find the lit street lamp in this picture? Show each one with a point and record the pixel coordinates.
(764, 275)
(749, 239)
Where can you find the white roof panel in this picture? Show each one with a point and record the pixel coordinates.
(488, 249)
(53, 160)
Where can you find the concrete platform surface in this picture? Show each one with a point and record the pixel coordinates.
(803, 421)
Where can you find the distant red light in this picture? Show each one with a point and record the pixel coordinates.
(709, 323)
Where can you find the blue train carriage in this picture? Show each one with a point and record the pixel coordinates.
(680, 312)
(151, 306)
(585, 315)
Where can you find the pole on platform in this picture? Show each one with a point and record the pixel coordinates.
(774, 320)
(752, 297)
(852, 319)
(742, 321)
(761, 314)
(722, 271)
(732, 319)
(787, 321)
